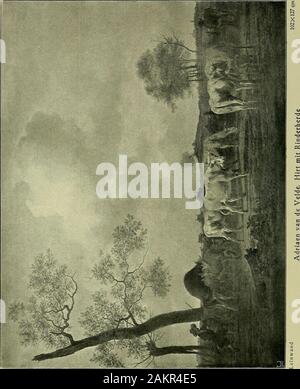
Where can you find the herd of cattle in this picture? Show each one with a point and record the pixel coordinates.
(226, 82)
(222, 66)
(218, 206)
(218, 202)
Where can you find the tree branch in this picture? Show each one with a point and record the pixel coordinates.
(168, 41)
(63, 333)
(62, 328)
(141, 263)
(156, 322)
(132, 317)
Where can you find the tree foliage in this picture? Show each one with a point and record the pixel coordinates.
(46, 316)
(165, 71)
(117, 323)
(187, 157)
(124, 277)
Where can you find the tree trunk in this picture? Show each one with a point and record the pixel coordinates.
(190, 349)
(156, 322)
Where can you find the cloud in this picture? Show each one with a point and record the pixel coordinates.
(58, 162)
(72, 100)
(50, 138)
(55, 162)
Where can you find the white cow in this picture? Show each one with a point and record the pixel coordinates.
(218, 67)
(219, 140)
(224, 83)
(214, 226)
(227, 61)
(215, 173)
(216, 182)
(217, 202)
(223, 96)
(221, 204)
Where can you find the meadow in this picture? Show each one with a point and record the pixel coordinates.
(255, 275)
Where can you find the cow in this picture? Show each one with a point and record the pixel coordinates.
(218, 140)
(216, 183)
(219, 67)
(214, 226)
(213, 19)
(195, 284)
(228, 61)
(224, 83)
(223, 96)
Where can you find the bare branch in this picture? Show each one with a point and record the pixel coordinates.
(152, 359)
(143, 361)
(142, 262)
(132, 317)
(69, 336)
(177, 42)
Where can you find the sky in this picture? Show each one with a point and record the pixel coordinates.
(71, 99)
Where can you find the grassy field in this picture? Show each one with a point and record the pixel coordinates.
(256, 277)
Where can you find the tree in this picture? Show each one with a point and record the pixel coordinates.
(47, 315)
(117, 319)
(188, 157)
(145, 350)
(168, 70)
